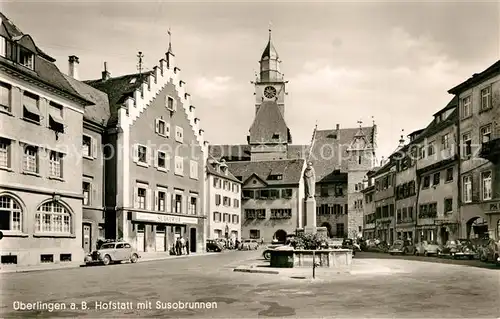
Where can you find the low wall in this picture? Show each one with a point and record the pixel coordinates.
(328, 258)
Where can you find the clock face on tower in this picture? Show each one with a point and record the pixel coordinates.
(269, 92)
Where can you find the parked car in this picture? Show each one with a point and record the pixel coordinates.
(402, 247)
(490, 251)
(289, 244)
(112, 252)
(213, 245)
(249, 244)
(459, 248)
(351, 244)
(426, 248)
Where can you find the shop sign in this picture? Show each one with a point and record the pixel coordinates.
(165, 219)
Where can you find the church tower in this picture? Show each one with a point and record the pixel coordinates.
(269, 135)
(361, 155)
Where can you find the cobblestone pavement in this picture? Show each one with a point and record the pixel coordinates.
(431, 290)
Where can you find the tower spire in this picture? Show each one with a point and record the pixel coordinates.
(169, 40)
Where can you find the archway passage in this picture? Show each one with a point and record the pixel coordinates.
(477, 227)
(280, 236)
(328, 228)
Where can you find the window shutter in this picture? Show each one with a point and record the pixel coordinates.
(156, 208)
(135, 152)
(157, 126)
(94, 147)
(476, 187)
(135, 197)
(93, 198)
(175, 104)
(168, 204)
(148, 198)
(186, 210)
(167, 161)
(155, 158)
(167, 129)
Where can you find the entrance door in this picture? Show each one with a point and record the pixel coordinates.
(140, 238)
(192, 240)
(160, 238)
(87, 240)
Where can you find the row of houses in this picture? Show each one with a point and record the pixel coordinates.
(445, 182)
(112, 158)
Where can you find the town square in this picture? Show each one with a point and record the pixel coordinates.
(229, 159)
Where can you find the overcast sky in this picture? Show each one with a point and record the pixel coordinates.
(344, 61)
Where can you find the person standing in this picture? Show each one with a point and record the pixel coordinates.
(183, 246)
(187, 247)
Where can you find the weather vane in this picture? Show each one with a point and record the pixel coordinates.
(360, 123)
(169, 40)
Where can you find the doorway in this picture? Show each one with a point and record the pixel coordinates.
(87, 238)
(280, 236)
(192, 240)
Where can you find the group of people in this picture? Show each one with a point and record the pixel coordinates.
(180, 247)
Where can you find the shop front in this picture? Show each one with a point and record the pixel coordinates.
(150, 232)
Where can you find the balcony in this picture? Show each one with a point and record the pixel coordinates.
(491, 151)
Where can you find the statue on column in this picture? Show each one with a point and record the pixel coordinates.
(310, 181)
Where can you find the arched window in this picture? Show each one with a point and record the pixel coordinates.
(11, 214)
(52, 217)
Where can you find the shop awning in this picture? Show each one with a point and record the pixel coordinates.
(30, 107)
(56, 117)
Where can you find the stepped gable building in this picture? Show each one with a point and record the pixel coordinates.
(155, 180)
(40, 173)
(341, 159)
(272, 197)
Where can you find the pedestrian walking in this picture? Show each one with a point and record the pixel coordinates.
(187, 247)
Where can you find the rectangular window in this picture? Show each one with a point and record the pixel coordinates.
(466, 107)
(448, 205)
(217, 199)
(55, 164)
(430, 149)
(263, 194)
(254, 234)
(324, 190)
(162, 197)
(26, 58)
(86, 146)
(141, 198)
(217, 217)
(178, 203)
(179, 134)
(421, 152)
(247, 194)
(250, 214)
(162, 160)
(31, 111)
(161, 128)
(226, 201)
(30, 159)
(486, 133)
(236, 203)
(5, 151)
(193, 169)
(467, 144)
(449, 174)
(236, 219)
(340, 230)
(5, 91)
(261, 213)
(56, 122)
(467, 189)
(436, 179)
(486, 98)
(193, 205)
(286, 193)
(86, 193)
(142, 154)
(486, 185)
(179, 165)
(427, 181)
(339, 191)
(446, 141)
(281, 213)
(170, 103)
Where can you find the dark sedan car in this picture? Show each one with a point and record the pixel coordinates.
(213, 245)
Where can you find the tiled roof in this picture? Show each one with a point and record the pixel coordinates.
(268, 121)
(211, 170)
(290, 169)
(118, 89)
(230, 152)
(493, 70)
(384, 169)
(297, 151)
(329, 152)
(45, 71)
(97, 113)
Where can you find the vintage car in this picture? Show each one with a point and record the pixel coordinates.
(214, 245)
(289, 244)
(426, 248)
(490, 251)
(249, 244)
(460, 248)
(351, 244)
(402, 247)
(112, 252)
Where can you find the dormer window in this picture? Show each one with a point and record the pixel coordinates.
(276, 136)
(275, 177)
(334, 136)
(26, 58)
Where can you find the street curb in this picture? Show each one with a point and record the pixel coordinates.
(172, 257)
(256, 271)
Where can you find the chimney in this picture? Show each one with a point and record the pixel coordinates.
(338, 127)
(73, 66)
(105, 74)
